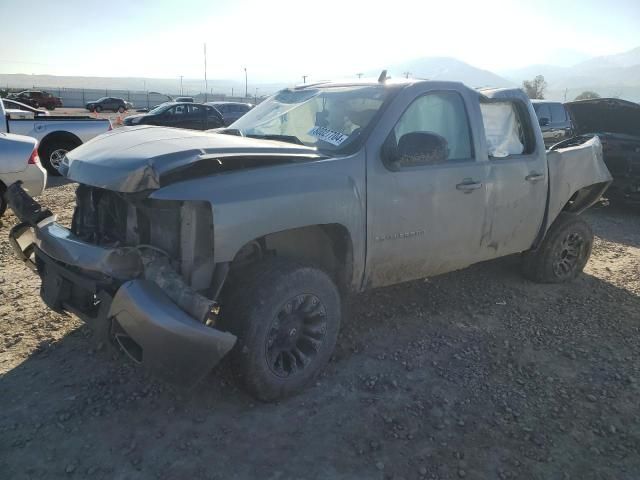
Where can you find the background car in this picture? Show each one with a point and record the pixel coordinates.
(20, 162)
(109, 103)
(231, 111)
(36, 99)
(197, 116)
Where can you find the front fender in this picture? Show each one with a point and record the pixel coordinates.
(248, 204)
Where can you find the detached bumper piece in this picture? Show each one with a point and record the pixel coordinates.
(113, 287)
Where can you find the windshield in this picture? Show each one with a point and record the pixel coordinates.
(159, 108)
(328, 118)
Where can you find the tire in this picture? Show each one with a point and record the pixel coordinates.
(51, 107)
(91, 108)
(286, 317)
(564, 252)
(120, 110)
(52, 151)
(98, 108)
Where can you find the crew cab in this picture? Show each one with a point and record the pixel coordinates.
(187, 246)
(616, 122)
(56, 134)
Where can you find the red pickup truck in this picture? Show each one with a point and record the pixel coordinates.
(37, 99)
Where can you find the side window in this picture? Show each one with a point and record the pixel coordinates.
(503, 129)
(222, 108)
(195, 110)
(442, 115)
(212, 113)
(179, 110)
(170, 112)
(558, 114)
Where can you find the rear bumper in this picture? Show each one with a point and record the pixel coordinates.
(106, 287)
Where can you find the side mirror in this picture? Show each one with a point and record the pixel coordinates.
(543, 121)
(419, 148)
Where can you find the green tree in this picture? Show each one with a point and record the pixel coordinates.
(587, 95)
(535, 88)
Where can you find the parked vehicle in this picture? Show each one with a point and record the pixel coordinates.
(109, 103)
(37, 99)
(19, 162)
(616, 122)
(24, 110)
(188, 246)
(196, 116)
(56, 134)
(231, 111)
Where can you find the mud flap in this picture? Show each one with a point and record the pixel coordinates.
(155, 332)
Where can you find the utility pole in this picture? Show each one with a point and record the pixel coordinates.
(246, 89)
(206, 87)
(406, 74)
(181, 84)
(359, 75)
(304, 78)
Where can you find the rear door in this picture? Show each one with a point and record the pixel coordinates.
(517, 183)
(427, 218)
(196, 119)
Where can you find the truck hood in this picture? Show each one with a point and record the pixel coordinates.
(134, 159)
(605, 115)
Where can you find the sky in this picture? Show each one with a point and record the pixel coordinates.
(282, 40)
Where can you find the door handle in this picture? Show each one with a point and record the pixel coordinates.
(534, 177)
(468, 186)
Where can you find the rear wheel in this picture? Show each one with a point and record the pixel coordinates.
(52, 153)
(51, 107)
(121, 109)
(286, 317)
(564, 252)
(98, 108)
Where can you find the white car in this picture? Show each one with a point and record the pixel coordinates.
(19, 161)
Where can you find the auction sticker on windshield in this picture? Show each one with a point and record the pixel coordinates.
(329, 136)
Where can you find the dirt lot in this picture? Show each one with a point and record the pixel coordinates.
(477, 374)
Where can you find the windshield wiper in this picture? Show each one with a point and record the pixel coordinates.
(281, 138)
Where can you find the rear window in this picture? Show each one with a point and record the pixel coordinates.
(558, 113)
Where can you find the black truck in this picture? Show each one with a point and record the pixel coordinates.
(615, 121)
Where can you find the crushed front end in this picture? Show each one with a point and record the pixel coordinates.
(139, 269)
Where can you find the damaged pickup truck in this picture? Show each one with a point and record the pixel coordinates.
(187, 246)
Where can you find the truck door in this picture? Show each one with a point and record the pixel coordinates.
(425, 217)
(517, 182)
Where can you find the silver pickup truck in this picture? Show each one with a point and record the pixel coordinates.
(56, 134)
(187, 246)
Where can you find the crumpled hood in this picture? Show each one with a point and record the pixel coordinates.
(134, 159)
(605, 115)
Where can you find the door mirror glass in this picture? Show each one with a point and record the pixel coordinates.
(543, 121)
(419, 148)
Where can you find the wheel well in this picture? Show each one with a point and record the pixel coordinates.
(57, 137)
(585, 197)
(329, 247)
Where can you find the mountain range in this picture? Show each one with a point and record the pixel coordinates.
(610, 76)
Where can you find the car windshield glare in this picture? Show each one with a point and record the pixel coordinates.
(329, 118)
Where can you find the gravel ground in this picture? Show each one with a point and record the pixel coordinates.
(477, 374)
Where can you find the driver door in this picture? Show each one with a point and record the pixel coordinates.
(425, 219)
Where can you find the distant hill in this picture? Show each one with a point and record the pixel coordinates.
(447, 68)
(610, 75)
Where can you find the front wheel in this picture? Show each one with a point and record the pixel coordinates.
(286, 317)
(564, 251)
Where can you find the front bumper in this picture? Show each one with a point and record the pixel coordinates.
(107, 287)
